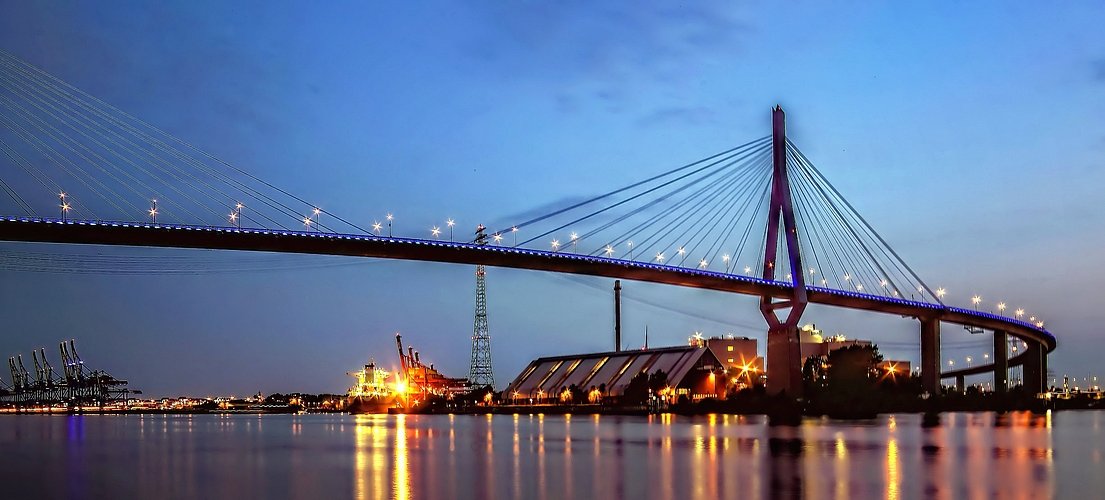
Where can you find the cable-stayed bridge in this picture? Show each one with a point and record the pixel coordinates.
(758, 219)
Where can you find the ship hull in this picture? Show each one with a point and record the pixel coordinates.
(369, 404)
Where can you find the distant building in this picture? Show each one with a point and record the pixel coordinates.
(815, 343)
(691, 371)
(738, 355)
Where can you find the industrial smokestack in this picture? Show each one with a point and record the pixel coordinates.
(617, 315)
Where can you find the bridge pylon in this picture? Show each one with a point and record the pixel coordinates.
(930, 355)
(784, 354)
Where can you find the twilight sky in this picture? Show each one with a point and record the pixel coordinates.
(969, 134)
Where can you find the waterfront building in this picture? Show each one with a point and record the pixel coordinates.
(691, 371)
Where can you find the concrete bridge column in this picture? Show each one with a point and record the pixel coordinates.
(1001, 361)
(930, 355)
(960, 384)
(1033, 373)
(784, 361)
(1043, 370)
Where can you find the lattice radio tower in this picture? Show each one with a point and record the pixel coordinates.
(480, 373)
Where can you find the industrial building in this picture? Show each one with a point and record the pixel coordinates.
(814, 343)
(692, 371)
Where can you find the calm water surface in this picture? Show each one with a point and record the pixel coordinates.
(979, 455)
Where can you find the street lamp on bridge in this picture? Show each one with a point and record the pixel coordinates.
(236, 215)
(65, 207)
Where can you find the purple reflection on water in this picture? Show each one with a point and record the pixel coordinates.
(550, 457)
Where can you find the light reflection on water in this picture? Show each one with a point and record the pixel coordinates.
(980, 455)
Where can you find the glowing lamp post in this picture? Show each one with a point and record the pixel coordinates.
(65, 207)
(236, 215)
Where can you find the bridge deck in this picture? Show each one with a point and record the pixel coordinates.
(47, 230)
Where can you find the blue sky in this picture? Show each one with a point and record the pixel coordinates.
(969, 134)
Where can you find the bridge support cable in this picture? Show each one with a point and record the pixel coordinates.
(675, 214)
(761, 184)
(751, 144)
(125, 215)
(156, 162)
(90, 150)
(743, 243)
(71, 148)
(91, 183)
(812, 243)
(716, 166)
(42, 178)
(870, 262)
(821, 243)
(691, 218)
(651, 218)
(864, 227)
(16, 198)
(859, 272)
(120, 146)
(865, 265)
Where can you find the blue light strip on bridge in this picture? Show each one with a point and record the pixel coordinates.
(526, 251)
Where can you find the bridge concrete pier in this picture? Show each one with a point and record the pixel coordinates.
(1034, 368)
(930, 355)
(961, 384)
(1001, 361)
(784, 361)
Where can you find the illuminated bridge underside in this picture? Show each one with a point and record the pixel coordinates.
(45, 230)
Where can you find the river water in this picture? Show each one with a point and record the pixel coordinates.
(967, 455)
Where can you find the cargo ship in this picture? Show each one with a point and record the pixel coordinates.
(372, 393)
